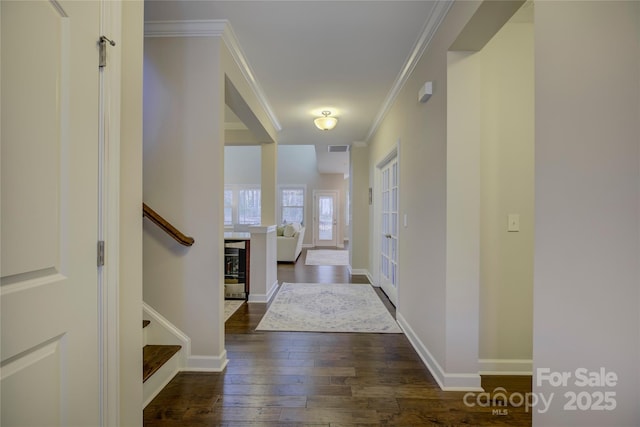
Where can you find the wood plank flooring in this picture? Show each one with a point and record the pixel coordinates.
(322, 379)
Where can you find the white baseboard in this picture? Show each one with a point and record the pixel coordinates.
(264, 298)
(446, 381)
(359, 272)
(506, 366)
(308, 245)
(207, 363)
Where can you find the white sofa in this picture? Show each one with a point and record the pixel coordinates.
(289, 237)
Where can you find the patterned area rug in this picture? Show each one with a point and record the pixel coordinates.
(327, 257)
(230, 307)
(313, 307)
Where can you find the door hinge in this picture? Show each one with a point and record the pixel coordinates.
(100, 253)
(102, 61)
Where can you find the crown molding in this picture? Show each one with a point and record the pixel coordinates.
(215, 28)
(434, 20)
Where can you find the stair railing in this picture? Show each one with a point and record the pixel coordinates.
(158, 220)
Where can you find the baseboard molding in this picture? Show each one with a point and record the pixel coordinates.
(308, 245)
(446, 381)
(370, 279)
(264, 298)
(362, 272)
(207, 363)
(506, 366)
(359, 272)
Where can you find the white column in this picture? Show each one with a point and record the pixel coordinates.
(264, 268)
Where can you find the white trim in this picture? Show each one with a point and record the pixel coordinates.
(188, 28)
(161, 331)
(434, 20)
(506, 366)
(215, 28)
(109, 182)
(207, 363)
(358, 271)
(392, 155)
(264, 298)
(363, 272)
(370, 278)
(447, 381)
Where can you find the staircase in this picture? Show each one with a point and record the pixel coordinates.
(162, 354)
(164, 346)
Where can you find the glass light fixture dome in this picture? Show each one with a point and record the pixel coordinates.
(326, 122)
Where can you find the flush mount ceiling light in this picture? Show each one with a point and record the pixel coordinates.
(326, 122)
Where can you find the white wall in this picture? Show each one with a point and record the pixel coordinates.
(507, 174)
(183, 181)
(422, 131)
(242, 165)
(359, 229)
(586, 277)
(464, 140)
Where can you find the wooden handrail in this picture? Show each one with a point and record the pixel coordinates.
(166, 226)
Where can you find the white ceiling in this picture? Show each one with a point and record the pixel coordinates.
(309, 56)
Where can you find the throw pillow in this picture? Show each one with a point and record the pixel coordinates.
(289, 230)
(280, 230)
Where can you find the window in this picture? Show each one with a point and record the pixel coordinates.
(249, 206)
(242, 205)
(292, 204)
(228, 206)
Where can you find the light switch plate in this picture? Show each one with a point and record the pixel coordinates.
(513, 222)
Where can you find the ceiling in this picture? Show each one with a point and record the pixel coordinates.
(348, 57)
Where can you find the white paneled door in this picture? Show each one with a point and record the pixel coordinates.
(390, 187)
(50, 369)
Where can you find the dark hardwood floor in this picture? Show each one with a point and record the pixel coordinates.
(323, 379)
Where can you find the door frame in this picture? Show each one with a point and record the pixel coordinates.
(394, 152)
(109, 211)
(336, 209)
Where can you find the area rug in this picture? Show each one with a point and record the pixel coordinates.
(315, 307)
(327, 257)
(230, 307)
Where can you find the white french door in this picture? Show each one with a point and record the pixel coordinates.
(326, 218)
(388, 257)
(49, 289)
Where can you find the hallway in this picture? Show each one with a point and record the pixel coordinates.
(322, 379)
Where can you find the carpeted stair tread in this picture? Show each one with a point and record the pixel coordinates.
(154, 356)
(145, 323)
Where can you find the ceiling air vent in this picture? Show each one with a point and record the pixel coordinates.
(338, 148)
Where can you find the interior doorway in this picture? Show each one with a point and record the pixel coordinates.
(387, 208)
(325, 218)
